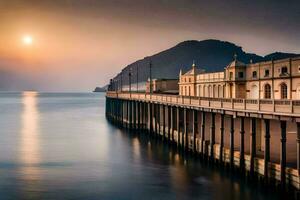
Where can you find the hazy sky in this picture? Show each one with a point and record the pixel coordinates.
(80, 44)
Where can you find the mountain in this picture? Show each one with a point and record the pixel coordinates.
(211, 55)
(100, 89)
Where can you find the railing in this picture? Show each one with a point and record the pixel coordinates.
(269, 106)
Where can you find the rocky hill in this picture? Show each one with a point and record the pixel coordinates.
(212, 55)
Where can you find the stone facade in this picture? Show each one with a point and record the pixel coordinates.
(163, 86)
(265, 80)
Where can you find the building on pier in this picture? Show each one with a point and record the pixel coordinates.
(264, 80)
(247, 116)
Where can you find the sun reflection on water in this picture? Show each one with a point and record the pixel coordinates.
(30, 144)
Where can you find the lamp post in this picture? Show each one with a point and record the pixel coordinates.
(130, 81)
(150, 76)
(137, 78)
(122, 81)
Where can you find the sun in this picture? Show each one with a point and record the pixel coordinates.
(27, 40)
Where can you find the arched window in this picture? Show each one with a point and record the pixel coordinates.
(204, 90)
(215, 91)
(267, 91)
(209, 91)
(220, 91)
(199, 90)
(283, 91)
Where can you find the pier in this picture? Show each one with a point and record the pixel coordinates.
(260, 138)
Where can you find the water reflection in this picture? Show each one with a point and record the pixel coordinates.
(29, 154)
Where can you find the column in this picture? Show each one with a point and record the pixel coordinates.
(298, 148)
(127, 113)
(134, 114)
(185, 131)
(164, 121)
(202, 131)
(138, 115)
(267, 149)
(156, 116)
(252, 145)
(232, 142)
(150, 118)
(212, 135)
(195, 125)
(221, 137)
(178, 125)
(283, 153)
(242, 144)
(169, 121)
(172, 124)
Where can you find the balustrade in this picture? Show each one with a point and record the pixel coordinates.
(263, 105)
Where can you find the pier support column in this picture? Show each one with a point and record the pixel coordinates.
(202, 132)
(138, 115)
(158, 115)
(122, 112)
(169, 122)
(195, 125)
(212, 135)
(267, 149)
(298, 148)
(221, 137)
(150, 124)
(185, 130)
(283, 154)
(134, 114)
(172, 124)
(164, 121)
(231, 142)
(242, 144)
(252, 145)
(127, 114)
(178, 125)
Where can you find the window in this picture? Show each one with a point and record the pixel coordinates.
(267, 73)
(189, 79)
(267, 91)
(299, 68)
(284, 70)
(283, 91)
(254, 74)
(231, 75)
(241, 75)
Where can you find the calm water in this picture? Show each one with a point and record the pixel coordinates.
(60, 146)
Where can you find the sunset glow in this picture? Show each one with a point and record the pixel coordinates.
(27, 40)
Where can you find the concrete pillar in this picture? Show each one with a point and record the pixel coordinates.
(178, 125)
(164, 120)
(252, 145)
(221, 137)
(298, 148)
(232, 142)
(242, 144)
(172, 124)
(156, 116)
(138, 115)
(127, 113)
(267, 149)
(169, 121)
(202, 132)
(121, 112)
(185, 130)
(134, 114)
(150, 126)
(283, 153)
(195, 125)
(212, 135)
